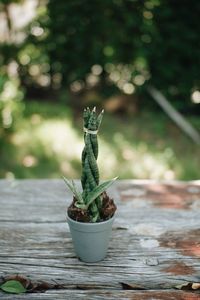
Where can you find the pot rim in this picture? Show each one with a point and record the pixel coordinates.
(89, 224)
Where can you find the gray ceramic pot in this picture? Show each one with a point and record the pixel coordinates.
(90, 239)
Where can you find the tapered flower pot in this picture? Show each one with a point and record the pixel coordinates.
(90, 239)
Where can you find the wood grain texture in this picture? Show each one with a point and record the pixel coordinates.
(155, 243)
(107, 295)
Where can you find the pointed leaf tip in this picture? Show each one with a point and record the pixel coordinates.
(72, 187)
(98, 191)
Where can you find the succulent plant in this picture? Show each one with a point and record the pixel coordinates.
(91, 197)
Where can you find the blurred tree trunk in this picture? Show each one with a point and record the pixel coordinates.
(6, 8)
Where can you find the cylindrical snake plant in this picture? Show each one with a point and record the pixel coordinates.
(90, 199)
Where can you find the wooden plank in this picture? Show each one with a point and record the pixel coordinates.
(155, 242)
(108, 295)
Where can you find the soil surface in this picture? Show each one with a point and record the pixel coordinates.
(107, 211)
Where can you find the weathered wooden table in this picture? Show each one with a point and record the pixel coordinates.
(154, 251)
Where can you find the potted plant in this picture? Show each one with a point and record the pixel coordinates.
(91, 213)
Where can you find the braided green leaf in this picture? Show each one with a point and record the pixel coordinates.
(90, 198)
(90, 171)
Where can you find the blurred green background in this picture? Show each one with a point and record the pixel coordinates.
(57, 57)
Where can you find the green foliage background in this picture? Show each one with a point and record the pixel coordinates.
(158, 39)
(102, 48)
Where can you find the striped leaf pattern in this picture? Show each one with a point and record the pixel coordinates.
(90, 171)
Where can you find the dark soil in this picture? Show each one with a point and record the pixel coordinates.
(107, 211)
(78, 214)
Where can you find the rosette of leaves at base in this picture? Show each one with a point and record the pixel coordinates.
(92, 204)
